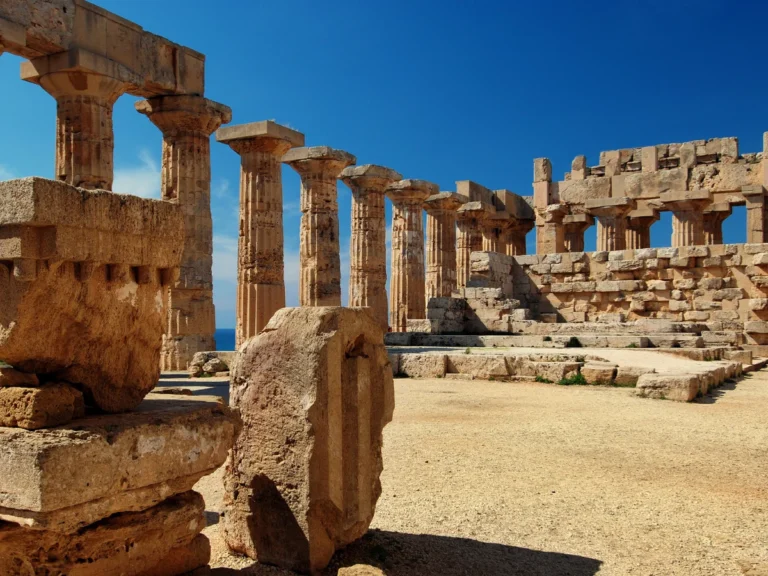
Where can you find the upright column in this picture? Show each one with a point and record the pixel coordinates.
(85, 94)
(187, 123)
(611, 214)
(493, 232)
(516, 233)
(368, 238)
(469, 237)
(550, 233)
(319, 168)
(406, 291)
(687, 215)
(260, 274)
(713, 222)
(574, 226)
(638, 232)
(756, 213)
(441, 243)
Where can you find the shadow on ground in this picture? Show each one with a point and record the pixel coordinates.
(715, 394)
(398, 554)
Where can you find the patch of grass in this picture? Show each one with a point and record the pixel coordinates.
(547, 339)
(542, 380)
(631, 345)
(468, 351)
(573, 342)
(575, 380)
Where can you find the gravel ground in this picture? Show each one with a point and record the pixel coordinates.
(488, 478)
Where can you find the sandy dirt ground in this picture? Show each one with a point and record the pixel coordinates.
(489, 478)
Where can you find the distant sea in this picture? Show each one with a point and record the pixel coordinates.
(225, 339)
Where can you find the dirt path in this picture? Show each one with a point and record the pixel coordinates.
(487, 478)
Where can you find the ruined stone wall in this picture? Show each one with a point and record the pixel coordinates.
(722, 286)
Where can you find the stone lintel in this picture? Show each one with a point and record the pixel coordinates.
(470, 210)
(444, 201)
(369, 176)
(517, 206)
(685, 196)
(302, 154)
(12, 36)
(76, 61)
(498, 217)
(262, 129)
(475, 192)
(644, 212)
(724, 207)
(99, 460)
(576, 219)
(607, 203)
(753, 190)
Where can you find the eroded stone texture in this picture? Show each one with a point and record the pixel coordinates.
(441, 243)
(611, 215)
(62, 479)
(687, 215)
(126, 544)
(493, 232)
(469, 237)
(319, 168)
(575, 225)
(550, 234)
(260, 273)
(368, 239)
(406, 290)
(714, 217)
(315, 391)
(33, 408)
(638, 232)
(83, 278)
(187, 123)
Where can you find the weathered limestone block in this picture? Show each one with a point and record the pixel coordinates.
(125, 544)
(599, 373)
(483, 366)
(422, 365)
(12, 377)
(43, 407)
(64, 478)
(315, 391)
(682, 388)
(441, 244)
(83, 286)
(628, 375)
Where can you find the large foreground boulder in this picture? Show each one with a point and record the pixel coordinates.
(315, 391)
(83, 286)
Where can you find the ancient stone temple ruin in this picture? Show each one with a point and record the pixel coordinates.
(97, 291)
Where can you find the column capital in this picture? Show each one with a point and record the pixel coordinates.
(578, 222)
(369, 177)
(610, 207)
(318, 160)
(685, 200)
(552, 214)
(184, 114)
(265, 136)
(473, 211)
(444, 201)
(411, 191)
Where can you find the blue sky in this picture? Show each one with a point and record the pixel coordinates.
(438, 90)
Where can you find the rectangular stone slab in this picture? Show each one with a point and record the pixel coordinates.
(127, 544)
(61, 478)
(44, 407)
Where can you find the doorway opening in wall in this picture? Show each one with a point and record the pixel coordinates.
(735, 226)
(661, 231)
(590, 239)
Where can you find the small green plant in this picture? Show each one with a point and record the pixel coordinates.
(468, 351)
(573, 342)
(575, 380)
(547, 339)
(631, 345)
(542, 380)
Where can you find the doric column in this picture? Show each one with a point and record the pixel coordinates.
(469, 237)
(611, 214)
(515, 236)
(756, 212)
(574, 226)
(638, 232)
(550, 234)
(406, 290)
(493, 232)
(441, 243)
(687, 209)
(319, 168)
(713, 222)
(187, 123)
(368, 238)
(260, 274)
(85, 91)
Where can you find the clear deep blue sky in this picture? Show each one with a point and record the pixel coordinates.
(439, 90)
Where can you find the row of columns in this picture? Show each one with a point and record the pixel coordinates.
(85, 93)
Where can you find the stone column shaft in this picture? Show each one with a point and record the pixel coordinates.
(550, 233)
(611, 215)
(187, 123)
(319, 168)
(84, 138)
(406, 294)
(638, 232)
(368, 238)
(713, 226)
(493, 236)
(574, 227)
(260, 267)
(441, 244)
(687, 215)
(469, 238)
(515, 237)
